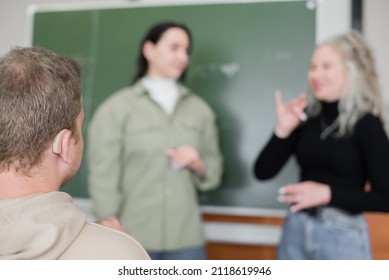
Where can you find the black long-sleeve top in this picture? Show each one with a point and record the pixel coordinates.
(343, 163)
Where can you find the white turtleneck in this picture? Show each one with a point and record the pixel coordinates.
(163, 91)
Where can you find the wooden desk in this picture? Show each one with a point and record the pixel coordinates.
(247, 234)
(265, 247)
(379, 234)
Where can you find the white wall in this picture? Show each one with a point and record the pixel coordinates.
(375, 22)
(333, 17)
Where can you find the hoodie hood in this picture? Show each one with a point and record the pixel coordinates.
(40, 226)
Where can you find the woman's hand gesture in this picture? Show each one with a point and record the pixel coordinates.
(289, 114)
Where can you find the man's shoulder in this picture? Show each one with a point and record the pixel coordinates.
(98, 242)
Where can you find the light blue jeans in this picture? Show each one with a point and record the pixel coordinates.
(193, 253)
(331, 235)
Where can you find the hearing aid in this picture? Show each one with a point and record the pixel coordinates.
(57, 143)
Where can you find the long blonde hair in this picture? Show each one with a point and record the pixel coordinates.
(361, 94)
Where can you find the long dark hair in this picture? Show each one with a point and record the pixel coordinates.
(153, 35)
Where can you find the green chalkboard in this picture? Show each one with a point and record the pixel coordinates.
(242, 52)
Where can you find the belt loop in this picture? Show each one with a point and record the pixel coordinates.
(313, 211)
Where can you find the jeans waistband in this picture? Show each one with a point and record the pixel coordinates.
(320, 210)
(313, 211)
(337, 217)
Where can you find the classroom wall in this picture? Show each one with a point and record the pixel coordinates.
(375, 20)
(334, 17)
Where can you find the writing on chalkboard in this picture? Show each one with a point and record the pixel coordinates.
(274, 54)
(213, 69)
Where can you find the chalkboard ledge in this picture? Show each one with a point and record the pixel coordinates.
(86, 205)
(243, 211)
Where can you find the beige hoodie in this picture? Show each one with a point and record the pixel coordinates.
(51, 226)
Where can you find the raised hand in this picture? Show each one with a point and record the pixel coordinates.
(289, 115)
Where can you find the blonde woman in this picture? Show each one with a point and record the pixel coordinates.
(338, 138)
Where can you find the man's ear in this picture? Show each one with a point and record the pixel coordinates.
(61, 144)
(147, 49)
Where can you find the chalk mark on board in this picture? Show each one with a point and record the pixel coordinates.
(273, 54)
(213, 69)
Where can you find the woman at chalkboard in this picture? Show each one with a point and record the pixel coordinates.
(152, 145)
(340, 144)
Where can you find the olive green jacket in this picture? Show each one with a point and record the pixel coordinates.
(131, 177)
